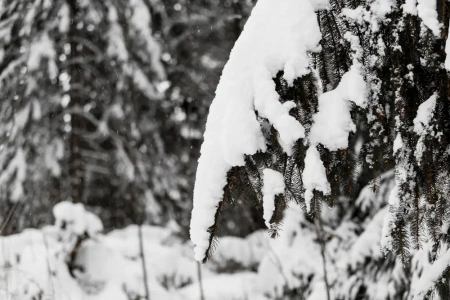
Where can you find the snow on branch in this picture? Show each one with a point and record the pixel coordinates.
(17, 167)
(277, 36)
(42, 47)
(333, 122)
(447, 53)
(273, 185)
(331, 128)
(431, 274)
(423, 124)
(428, 13)
(314, 176)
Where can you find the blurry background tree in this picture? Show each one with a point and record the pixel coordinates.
(104, 103)
(83, 113)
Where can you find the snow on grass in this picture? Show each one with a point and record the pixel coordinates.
(277, 36)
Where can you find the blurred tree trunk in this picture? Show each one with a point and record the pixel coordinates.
(76, 122)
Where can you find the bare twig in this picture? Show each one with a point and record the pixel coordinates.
(200, 282)
(144, 268)
(8, 218)
(49, 269)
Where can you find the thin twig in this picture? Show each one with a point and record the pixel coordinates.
(8, 218)
(49, 269)
(144, 268)
(200, 282)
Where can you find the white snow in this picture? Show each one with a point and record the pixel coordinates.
(246, 252)
(319, 4)
(64, 18)
(357, 14)
(368, 243)
(333, 122)
(116, 44)
(382, 7)
(314, 176)
(112, 267)
(422, 125)
(21, 118)
(273, 185)
(374, 16)
(36, 111)
(431, 274)
(394, 202)
(144, 84)
(141, 20)
(41, 47)
(34, 262)
(222, 287)
(18, 167)
(268, 106)
(357, 54)
(447, 52)
(425, 114)
(386, 237)
(277, 36)
(398, 143)
(427, 12)
(53, 153)
(294, 253)
(369, 201)
(410, 7)
(74, 219)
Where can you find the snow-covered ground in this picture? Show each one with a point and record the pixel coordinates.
(73, 260)
(35, 263)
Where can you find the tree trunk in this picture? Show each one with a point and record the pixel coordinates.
(76, 123)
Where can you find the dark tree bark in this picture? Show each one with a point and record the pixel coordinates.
(76, 122)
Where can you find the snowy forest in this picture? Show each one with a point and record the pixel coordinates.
(224, 150)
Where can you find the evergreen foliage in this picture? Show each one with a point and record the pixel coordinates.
(405, 126)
